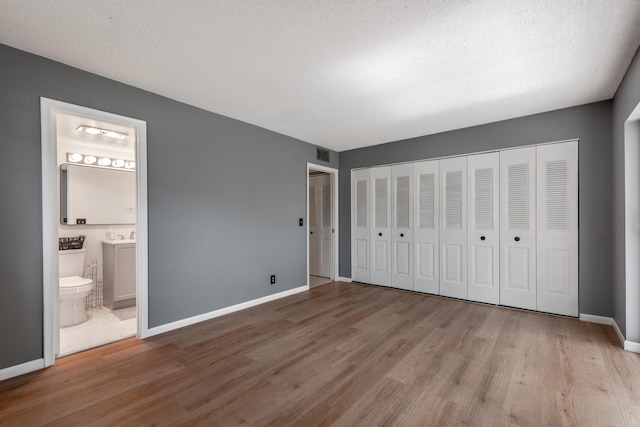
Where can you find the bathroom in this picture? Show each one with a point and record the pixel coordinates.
(97, 212)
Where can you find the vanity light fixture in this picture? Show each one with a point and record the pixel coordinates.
(107, 162)
(97, 131)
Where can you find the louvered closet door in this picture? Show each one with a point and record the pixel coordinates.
(360, 255)
(453, 227)
(381, 226)
(557, 244)
(402, 227)
(518, 228)
(325, 226)
(484, 228)
(425, 234)
(314, 243)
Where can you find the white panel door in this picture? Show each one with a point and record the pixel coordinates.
(314, 243)
(402, 229)
(325, 226)
(426, 227)
(484, 228)
(557, 243)
(360, 219)
(518, 228)
(453, 227)
(381, 226)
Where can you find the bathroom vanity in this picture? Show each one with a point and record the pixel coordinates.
(119, 273)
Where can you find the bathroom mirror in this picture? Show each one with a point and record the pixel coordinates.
(94, 195)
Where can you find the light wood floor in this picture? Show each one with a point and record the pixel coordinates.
(345, 354)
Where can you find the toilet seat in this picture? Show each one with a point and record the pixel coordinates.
(73, 281)
(74, 285)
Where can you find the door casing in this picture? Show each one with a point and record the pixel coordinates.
(49, 108)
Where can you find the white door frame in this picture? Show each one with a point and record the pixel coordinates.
(48, 110)
(333, 173)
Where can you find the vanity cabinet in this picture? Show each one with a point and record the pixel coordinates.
(119, 274)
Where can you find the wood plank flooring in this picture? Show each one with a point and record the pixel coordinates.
(345, 355)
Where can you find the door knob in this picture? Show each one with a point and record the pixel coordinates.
(482, 237)
(517, 239)
(380, 234)
(401, 234)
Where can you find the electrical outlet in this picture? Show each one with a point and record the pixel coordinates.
(300, 222)
(81, 220)
(273, 279)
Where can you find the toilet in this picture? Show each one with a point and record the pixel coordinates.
(73, 287)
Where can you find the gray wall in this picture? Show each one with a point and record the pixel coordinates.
(590, 123)
(224, 200)
(626, 99)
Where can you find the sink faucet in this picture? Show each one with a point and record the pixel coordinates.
(121, 236)
(132, 236)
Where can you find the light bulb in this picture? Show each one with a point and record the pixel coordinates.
(130, 165)
(104, 161)
(74, 157)
(90, 160)
(117, 163)
(112, 134)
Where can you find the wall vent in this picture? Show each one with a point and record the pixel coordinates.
(322, 155)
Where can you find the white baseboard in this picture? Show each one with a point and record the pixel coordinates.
(221, 312)
(344, 279)
(618, 332)
(591, 318)
(632, 346)
(23, 368)
(628, 345)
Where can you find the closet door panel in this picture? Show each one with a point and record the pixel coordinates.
(381, 226)
(518, 228)
(453, 227)
(402, 230)
(557, 238)
(360, 220)
(426, 227)
(484, 227)
(325, 224)
(314, 261)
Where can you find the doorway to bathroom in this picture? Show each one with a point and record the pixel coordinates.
(322, 221)
(94, 228)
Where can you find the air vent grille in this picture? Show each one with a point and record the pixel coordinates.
(322, 154)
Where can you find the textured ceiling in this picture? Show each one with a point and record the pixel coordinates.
(344, 74)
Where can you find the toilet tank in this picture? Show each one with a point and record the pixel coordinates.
(71, 262)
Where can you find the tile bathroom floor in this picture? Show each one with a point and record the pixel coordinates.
(317, 281)
(104, 326)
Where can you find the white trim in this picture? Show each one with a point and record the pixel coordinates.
(221, 312)
(48, 110)
(618, 332)
(21, 369)
(591, 318)
(495, 150)
(632, 346)
(344, 279)
(335, 212)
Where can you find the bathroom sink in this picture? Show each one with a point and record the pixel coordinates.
(119, 242)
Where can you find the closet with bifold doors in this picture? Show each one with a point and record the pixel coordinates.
(498, 227)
